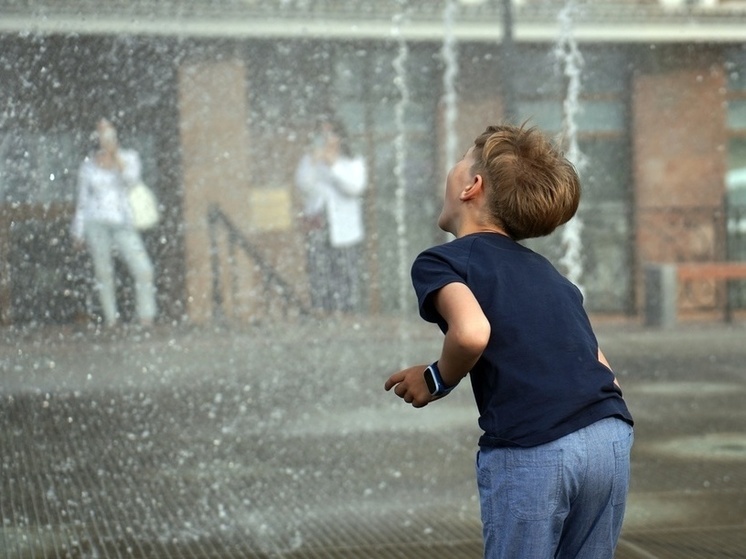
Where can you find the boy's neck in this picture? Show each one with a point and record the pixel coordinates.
(471, 228)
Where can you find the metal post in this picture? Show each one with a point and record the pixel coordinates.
(217, 294)
(729, 287)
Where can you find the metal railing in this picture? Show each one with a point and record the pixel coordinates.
(274, 287)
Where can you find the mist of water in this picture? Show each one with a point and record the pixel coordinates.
(449, 52)
(400, 154)
(570, 62)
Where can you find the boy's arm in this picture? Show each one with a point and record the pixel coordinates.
(602, 359)
(467, 336)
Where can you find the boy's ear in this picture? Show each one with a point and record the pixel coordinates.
(473, 189)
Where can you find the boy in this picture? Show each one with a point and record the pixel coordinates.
(553, 462)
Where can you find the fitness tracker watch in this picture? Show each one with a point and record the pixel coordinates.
(435, 383)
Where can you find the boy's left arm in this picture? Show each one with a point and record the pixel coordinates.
(467, 337)
(603, 360)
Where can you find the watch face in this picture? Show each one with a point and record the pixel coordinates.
(430, 381)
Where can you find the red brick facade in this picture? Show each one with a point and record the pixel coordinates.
(679, 162)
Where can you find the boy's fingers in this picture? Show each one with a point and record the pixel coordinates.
(393, 380)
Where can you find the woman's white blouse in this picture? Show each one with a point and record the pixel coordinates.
(336, 190)
(102, 193)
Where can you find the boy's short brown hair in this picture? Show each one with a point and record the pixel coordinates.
(531, 187)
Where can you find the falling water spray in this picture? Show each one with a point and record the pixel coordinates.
(400, 148)
(450, 58)
(571, 63)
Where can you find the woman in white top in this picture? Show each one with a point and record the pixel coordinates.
(332, 182)
(103, 220)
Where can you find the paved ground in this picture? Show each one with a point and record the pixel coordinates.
(278, 441)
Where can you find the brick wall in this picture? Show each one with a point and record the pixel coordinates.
(214, 143)
(679, 158)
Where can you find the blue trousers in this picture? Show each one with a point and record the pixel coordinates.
(561, 500)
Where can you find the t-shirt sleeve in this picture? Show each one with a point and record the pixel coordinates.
(432, 270)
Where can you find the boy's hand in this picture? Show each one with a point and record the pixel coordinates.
(410, 386)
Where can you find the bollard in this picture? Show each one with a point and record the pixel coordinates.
(660, 295)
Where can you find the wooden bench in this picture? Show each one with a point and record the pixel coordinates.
(711, 270)
(723, 271)
(662, 281)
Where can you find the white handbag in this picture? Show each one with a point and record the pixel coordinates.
(144, 206)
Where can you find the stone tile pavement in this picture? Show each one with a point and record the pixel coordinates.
(277, 441)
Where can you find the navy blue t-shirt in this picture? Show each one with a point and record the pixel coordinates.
(539, 378)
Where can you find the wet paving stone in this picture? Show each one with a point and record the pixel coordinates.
(231, 444)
